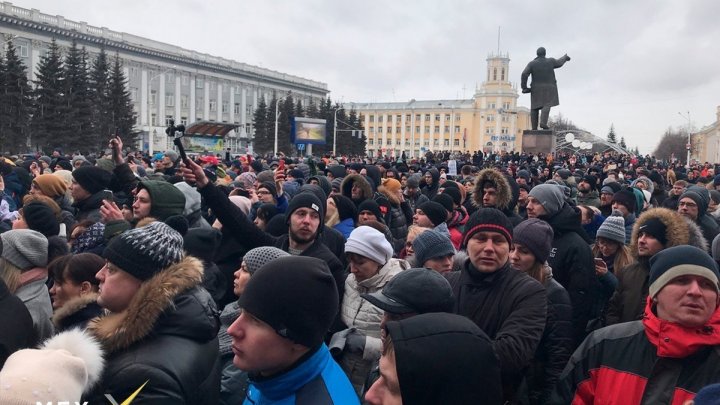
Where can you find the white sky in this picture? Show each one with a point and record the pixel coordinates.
(635, 64)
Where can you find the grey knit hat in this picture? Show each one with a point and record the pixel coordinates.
(613, 228)
(256, 258)
(550, 197)
(24, 248)
(145, 251)
(536, 235)
(431, 244)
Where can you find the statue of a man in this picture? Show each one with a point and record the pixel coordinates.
(543, 92)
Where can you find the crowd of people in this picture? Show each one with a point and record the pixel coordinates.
(451, 279)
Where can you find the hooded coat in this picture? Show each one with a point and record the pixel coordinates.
(347, 185)
(507, 193)
(76, 313)
(167, 337)
(431, 190)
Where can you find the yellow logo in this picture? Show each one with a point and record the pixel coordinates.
(129, 399)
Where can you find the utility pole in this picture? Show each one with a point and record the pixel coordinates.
(334, 130)
(688, 146)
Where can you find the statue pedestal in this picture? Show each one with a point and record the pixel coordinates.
(538, 141)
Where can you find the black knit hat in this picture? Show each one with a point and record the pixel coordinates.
(270, 187)
(626, 198)
(40, 217)
(591, 180)
(145, 251)
(445, 200)
(454, 193)
(655, 228)
(436, 212)
(536, 235)
(345, 207)
(372, 206)
(488, 220)
(299, 305)
(257, 166)
(678, 261)
(306, 200)
(92, 178)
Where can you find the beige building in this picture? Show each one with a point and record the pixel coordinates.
(490, 121)
(706, 142)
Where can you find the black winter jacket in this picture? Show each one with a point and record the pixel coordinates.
(17, 331)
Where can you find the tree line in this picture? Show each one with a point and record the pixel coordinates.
(348, 143)
(74, 103)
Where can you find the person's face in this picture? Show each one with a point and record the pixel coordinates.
(489, 196)
(356, 191)
(304, 223)
(366, 216)
(584, 187)
(620, 207)
(77, 192)
(469, 186)
(488, 251)
(606, 246)
(260, 223)
(258, 348)
(63, 291)
(117, 288)
(264, 195)
(386, 389)
(420, 219)
(411, 191)
(522, 197)
(678, 189)
(19, 222)
(441, 264)
(314, 181)
(521, 181)
(331, 208)
(522, 258)
(712, 206)
(142, 205)
(648, 245)
(534, 208)
(242, 276)
(167, 162)
(428, 179)
(546, 173)
(363, 171)
(687, 207)
(390, 174)
(34, 189)
(687, 300)
(605, 199)
(362, 267)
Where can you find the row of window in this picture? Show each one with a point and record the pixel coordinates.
(184, 102)
(408, 117)
(417, 129)
(436, 142)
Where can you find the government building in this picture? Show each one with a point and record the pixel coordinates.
(165, 81)
(491, 121)
(706, 142)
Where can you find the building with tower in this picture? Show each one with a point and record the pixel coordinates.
(490, 121)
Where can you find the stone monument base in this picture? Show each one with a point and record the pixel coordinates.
(538, 141)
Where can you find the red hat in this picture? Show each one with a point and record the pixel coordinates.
(210, 159)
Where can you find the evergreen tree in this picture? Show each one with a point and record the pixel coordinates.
(325, 112)
(287, 114)
(261, 140)
(299, 109)
(78, 118)
(622, 142)
(15, 102)
(357, 138)
(121, 108)
(49, 109)
(611, 138)
(100, 101)
(312, 110)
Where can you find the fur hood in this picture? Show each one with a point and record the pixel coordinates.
(155, 298)
(506, 197)
(347, 183)
(71, 307)
(677, 231)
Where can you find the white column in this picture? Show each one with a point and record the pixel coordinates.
(219, 102)
(161, 101)
(178, 97)
(243, 106)
(206, 108)
(144, 97)
(452, 131)
(192, 100)
(231, 108)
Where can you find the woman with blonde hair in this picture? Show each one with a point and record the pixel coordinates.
(610, 253)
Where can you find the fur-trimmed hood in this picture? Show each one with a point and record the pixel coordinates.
(347, 184)
(171, 301)
(677, 230)
(506, 194)
(72, 307)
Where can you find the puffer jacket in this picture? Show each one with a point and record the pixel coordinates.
(399, 217)
(167, 337)
(507, 193)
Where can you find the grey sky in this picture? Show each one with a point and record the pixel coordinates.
(635, 64)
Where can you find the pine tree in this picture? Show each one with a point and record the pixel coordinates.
(261, 140)
(49, 109)
(622, 142)
(312, 110)
(78, 119)
(121, 108)
(299, 109)
(285, 144)
(100, 100)
(15, 102)
(611, 138)
(357, 139)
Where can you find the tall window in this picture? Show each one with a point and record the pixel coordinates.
(153, 97)
(169, 100)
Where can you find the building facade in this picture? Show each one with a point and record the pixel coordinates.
(706, 142)
(491, 121)
(165, 81)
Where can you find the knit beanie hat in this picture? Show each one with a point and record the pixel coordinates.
(613, 228)
(590, 179)
(336, 184)
(413, 181)
(369, 242)
(51, 186)
(537, 236)
(446, 201)
(700, 196)
(550, 197)
(454, 193)
(24, 248)
(62, 369)
(372, 206)
(345, 207)
(436, 212)
(145, 251)
(524, 174)
(40, 217)
(680, 261)
(257, 166)
(266, 176)
(626, 198)
(270, 187)
(610, 187)
(488, 220)
(299, 305)
(92, 178)
(247, 179)
(709, 394)
(655, 228)
(431, 244)
(172, 155)
(306, 200)
(564, 173)
(256, 258)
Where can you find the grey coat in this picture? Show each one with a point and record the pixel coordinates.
(36, 298)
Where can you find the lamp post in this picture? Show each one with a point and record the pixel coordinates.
(688, 142)
(335, 129)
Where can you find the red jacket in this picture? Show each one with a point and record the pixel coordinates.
(456, 226)
(642, 362)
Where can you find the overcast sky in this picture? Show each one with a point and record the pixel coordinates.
(635, 64)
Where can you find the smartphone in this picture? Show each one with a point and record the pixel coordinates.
(600, 262)
(107, 195)
(281, 165)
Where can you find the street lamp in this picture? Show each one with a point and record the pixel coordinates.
(335, 129)
(688, 142)
(277, 115)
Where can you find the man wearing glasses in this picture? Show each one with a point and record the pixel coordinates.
(693, 204)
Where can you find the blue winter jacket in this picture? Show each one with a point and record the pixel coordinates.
(345, 227)
(317, 380)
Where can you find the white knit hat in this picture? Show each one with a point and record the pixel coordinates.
(60, 370)
(369, 242)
